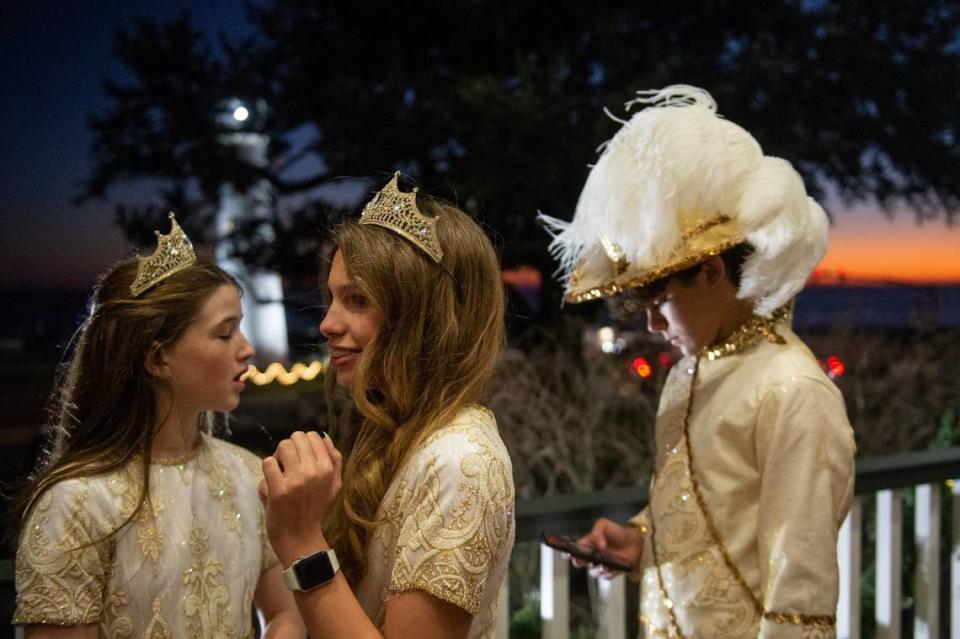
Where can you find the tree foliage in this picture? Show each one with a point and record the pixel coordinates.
(498, 105)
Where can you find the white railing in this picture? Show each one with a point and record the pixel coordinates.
(882, 481)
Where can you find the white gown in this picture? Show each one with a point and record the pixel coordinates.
(186, 566)
(447, 523)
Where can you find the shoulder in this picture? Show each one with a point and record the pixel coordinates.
(472, 432)
(466, 449)
(785, 369)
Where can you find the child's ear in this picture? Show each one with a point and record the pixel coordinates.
(154, 362)
(714, 270)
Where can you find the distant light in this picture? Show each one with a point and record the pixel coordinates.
(240, 114)
(276, 372)
(665, 360)
(641, 367)
(606, 335)
(835, 366)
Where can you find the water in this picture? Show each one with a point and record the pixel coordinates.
(890, 306)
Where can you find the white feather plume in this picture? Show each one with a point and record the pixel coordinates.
(675, 164)
(787, 230)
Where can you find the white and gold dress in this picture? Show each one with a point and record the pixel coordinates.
(186, 566)
(447, 523)
(753, 478)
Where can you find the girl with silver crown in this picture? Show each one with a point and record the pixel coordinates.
(683, 219)
(140, 523)
(414, 540)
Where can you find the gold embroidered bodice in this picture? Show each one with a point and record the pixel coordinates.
(447, 523)
(186, 566)
(753, 477)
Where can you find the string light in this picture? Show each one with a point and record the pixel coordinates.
(275, 372)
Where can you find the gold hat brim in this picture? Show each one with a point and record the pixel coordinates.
(598, 276)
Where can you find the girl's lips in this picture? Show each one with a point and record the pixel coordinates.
(342, 358)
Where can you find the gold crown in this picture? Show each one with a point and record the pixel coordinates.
(174, 253)
(397, 211)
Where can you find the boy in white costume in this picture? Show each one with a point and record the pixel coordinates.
(685, 219)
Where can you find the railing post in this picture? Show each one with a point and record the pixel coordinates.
(889, 559)
(849, 546)
(612, 599)
(926, 621)
(554, 594)
(955, 562)
(501, 625)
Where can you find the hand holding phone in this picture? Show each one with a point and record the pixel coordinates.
(586, 553)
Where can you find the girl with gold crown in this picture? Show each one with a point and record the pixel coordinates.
(414, 540)
(685, 220)
(141, 523)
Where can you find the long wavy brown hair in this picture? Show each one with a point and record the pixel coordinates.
(104, 409)
(442, 333)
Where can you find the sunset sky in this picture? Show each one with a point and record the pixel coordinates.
(866, 245)
(54, 64)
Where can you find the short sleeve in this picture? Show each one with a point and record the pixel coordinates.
(457, 501)
(61, 576)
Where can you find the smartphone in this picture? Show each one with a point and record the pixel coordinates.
(586, 553)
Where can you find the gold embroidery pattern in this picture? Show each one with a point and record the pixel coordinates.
(61, 583)
(158, 628)
(149, 537)
(222, 488)
(718, 582)
(117, 625)
(451, 525)
(207, 600)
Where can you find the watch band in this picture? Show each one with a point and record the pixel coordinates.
(310, 571)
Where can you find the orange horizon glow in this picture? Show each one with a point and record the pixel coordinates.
(866, 246)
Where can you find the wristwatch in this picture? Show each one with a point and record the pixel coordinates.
(310, 571)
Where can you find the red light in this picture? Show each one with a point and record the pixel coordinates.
(665, 360)
(835, 366)
(641, 367)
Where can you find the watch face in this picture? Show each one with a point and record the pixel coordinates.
(314, 570)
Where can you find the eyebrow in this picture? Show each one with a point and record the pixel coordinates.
(232, 319)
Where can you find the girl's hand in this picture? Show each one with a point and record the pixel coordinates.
(300, 482)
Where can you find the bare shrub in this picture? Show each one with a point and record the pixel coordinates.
(575, 420)
(572, 417)
(897, 385)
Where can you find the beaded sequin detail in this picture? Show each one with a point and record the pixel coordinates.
(397, 211)
(174, 253)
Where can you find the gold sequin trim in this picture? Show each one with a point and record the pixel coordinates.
(706, 225)
(816, 621)
(615, 255)
(181, 459)
(613, 287)
(749, 333)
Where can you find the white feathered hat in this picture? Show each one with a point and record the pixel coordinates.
(678, 184)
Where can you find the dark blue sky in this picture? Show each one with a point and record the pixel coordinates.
(54, 56)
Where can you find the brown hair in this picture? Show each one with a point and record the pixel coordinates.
(442, 332)
(103, 409)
